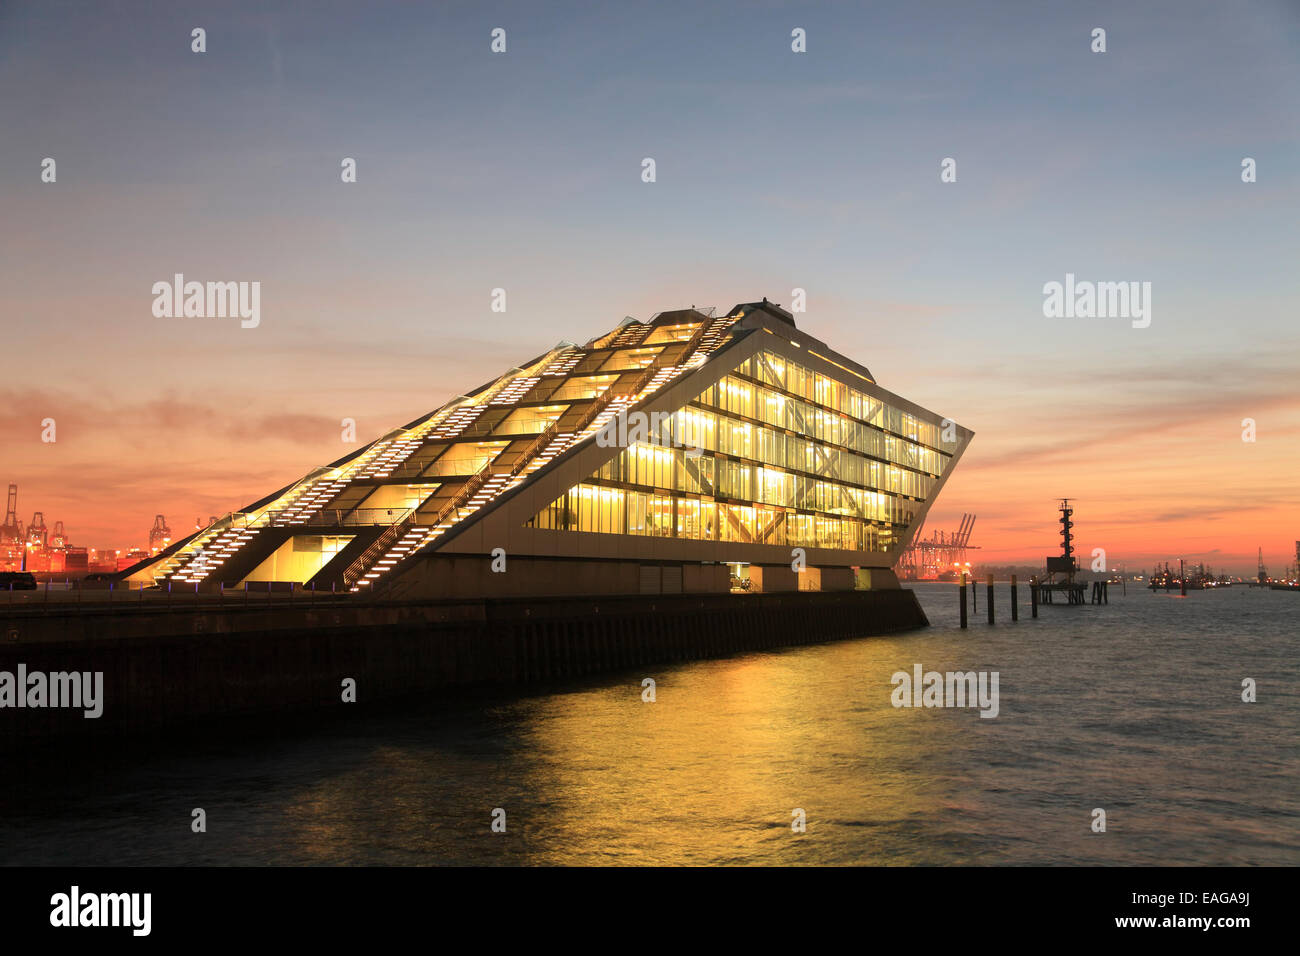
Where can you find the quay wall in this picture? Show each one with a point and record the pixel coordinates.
(165, 666)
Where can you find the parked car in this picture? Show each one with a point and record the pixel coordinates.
(17, 581)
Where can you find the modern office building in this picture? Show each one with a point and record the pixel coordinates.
(691, 453)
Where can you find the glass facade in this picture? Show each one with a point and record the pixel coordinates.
(774, 453)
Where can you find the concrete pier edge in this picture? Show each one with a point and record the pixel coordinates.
(163, 667)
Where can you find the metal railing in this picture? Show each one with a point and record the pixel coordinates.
(52, 597)
(467, 491)
(475, 483)
(362, 562)
(339, 517)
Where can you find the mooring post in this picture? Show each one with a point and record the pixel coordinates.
(990, 599)
(974, 596)
(963, 599)
(1015, 610)
(1033, 596)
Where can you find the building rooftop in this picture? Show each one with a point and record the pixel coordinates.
(765, 437)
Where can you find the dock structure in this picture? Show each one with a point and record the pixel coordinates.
(690, 453)
(1073, 591)
(691, 485)
(1059, 579)
(165, 666)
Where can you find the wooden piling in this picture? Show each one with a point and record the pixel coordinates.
(990, 596)
(1033, 596)
(1015, 608)
(963, 600)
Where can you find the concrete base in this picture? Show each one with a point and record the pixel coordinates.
(446, 576)
(441, 576)
(163, 667)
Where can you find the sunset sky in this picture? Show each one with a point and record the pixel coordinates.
(775, 170)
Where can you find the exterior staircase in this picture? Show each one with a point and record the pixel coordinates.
(486, 486)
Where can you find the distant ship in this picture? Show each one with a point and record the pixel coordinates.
(1198, 578)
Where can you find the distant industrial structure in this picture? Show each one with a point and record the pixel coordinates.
(12, 539)
(160, 536)
(46, 551)
(940, 557)
(36, 548)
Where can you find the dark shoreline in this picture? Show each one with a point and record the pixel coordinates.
(167, 668)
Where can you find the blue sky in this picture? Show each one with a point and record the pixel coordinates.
(775, 170)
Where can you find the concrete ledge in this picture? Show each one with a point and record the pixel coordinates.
(159, 672)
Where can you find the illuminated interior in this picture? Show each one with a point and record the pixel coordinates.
(772, 454)
(299, 559)
(789, 445)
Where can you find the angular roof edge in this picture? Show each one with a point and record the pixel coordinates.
(745, 309)
(774, 319)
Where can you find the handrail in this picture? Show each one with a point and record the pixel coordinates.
(467, 490)
(352, 573)
(472, 485)
(184, 557)
(342, 517)
(651, 370)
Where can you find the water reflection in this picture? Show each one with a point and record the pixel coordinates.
(1132, 707)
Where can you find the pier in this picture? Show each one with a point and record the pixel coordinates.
(1071, 591)
(1061, 570)
(166, 665)
(1058, 582)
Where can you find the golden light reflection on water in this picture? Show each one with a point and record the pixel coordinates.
(1126, 707)
(708, 773)
(713, 769)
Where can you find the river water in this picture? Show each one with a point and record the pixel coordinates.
(1134, 708)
